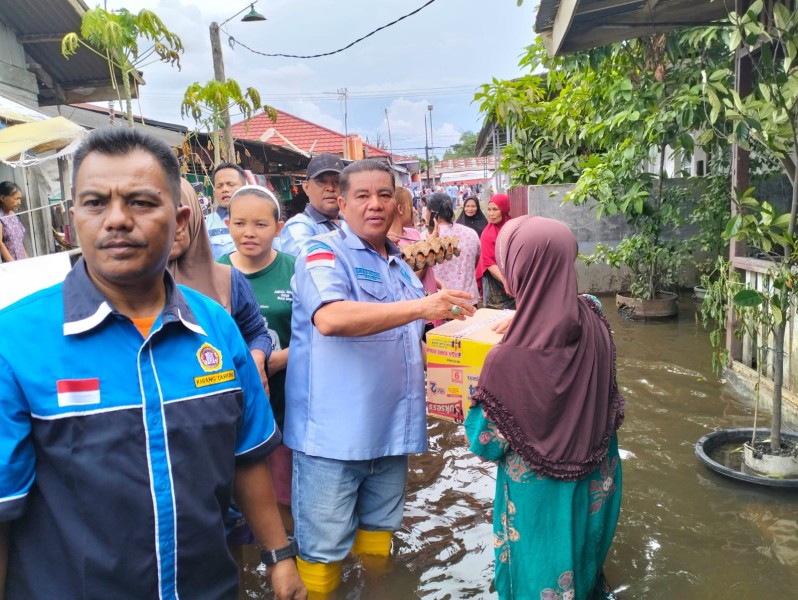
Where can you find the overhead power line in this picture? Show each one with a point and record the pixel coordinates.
(234, 41)
(322, 97)
(460, 90)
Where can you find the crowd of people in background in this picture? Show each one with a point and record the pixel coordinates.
(275, 395)
(440, 213)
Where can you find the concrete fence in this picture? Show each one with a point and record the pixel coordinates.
(549, 201)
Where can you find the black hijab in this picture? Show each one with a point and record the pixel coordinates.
(478, 222)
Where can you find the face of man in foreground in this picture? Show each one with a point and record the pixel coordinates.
(369, 206)
(125, 217)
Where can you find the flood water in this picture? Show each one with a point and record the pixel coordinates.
(685, 533)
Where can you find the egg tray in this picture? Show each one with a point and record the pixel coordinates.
(429, 252)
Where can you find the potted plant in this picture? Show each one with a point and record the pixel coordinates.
(617, 122)
(645, 175)
(652, 254)
(765, 122)
(709, 217)
(764, 312)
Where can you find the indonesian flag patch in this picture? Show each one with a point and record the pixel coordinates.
(320, 255)
(78, 392)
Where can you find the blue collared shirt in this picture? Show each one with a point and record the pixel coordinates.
(353, 398)
(300, 228)
(117, 453)
(219, 234)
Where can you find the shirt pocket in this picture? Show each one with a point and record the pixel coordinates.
(374, 290)
(371, 291)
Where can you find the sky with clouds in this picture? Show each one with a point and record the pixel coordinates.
(437, 57)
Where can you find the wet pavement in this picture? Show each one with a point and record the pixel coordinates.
(685, 533)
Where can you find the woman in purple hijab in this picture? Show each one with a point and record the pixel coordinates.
(546, 410)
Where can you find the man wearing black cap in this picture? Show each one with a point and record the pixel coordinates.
(321, 214)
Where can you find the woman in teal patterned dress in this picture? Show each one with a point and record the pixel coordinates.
(546, 411)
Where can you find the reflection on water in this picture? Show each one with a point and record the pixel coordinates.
(685, 533)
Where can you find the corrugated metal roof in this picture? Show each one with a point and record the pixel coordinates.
(599, 22)
(95, 117)
(40, 25)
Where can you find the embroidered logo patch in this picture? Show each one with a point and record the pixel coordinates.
(210, 359)
(320, 255)
(78, 392)
(205, 380)
(367, 275)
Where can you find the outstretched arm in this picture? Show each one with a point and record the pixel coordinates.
(351, 319)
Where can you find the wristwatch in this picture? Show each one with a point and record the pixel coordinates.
(272, 557)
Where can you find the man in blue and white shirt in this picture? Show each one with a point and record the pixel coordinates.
(130, 408)
(227, 178)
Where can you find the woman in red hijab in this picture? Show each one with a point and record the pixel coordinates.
(494, 294)
(546, 411)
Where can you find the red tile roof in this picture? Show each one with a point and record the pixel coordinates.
(291, 130)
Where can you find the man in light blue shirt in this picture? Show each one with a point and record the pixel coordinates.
(355, 405)
(227, 178)
(322, 187)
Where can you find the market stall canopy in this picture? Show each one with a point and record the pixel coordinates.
(466, 177)
(571, 25)
(38, 137)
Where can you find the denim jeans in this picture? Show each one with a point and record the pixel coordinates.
(331, 499)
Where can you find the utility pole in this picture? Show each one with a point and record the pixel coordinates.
(110, 102)
(431, 135)
(228, 147)
(388, 121)
(426, 147)
(343, 94)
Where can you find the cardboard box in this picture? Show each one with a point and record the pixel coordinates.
(455, 353)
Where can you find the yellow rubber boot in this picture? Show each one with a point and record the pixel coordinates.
(377, 543)
(321, 578)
